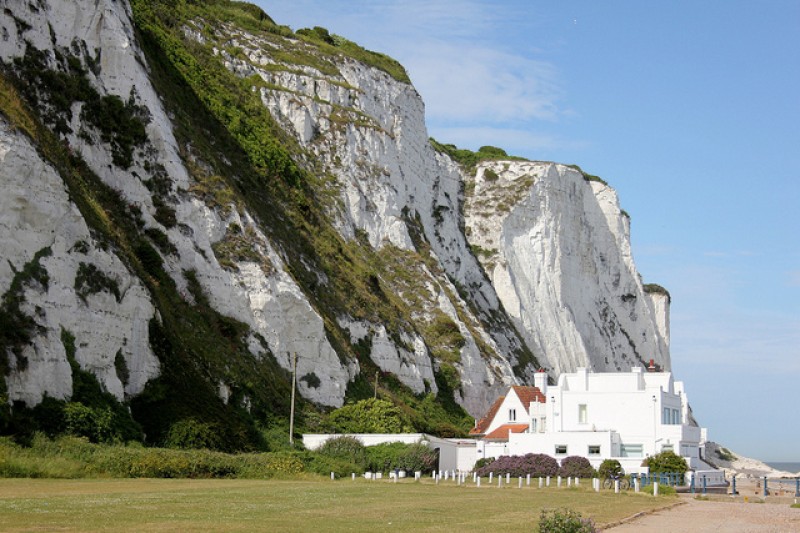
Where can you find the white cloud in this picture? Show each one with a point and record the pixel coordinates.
(455, 53)
(467, 83)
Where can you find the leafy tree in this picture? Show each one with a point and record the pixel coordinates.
(666, 462)
(610, 468)
(368, 416)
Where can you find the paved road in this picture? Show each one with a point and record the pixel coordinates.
(719, 516)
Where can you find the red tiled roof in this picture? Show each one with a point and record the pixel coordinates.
(502, 432)
(529, 395)
(483, 423)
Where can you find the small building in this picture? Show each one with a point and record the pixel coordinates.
(610, 415)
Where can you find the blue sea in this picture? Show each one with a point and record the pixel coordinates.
(786, 467)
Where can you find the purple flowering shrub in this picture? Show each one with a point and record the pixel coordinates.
(535, 464)
(576, 466)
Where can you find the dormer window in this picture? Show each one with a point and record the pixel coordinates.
(512, 415)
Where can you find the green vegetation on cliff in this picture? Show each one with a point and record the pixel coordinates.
(469, 159)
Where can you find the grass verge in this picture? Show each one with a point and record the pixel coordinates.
(307, 505)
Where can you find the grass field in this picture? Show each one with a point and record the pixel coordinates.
(314, 505)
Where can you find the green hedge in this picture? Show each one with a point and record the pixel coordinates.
(76, 457)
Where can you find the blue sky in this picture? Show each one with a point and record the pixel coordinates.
(690, 110)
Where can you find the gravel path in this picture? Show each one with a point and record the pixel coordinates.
(720, 516)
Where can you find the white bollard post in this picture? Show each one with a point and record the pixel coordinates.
(528, 480)
(541, 482)
(655, 488)
(490, 476)
(499, 481)
(547, 482)
(333, 476)
(559, 482)
(446, 473)
(616, 486)
(520, 481)
(569, 482)
(474, 476)
(433, 474)
(577, 482)
(458, 481)
(636, 484)
(508, 478)
(437, 480)
(479, 481)
(354, 476)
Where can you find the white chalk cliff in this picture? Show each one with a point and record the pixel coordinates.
(531, 262)
(557, 249)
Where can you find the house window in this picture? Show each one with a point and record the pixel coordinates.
(665, 416)
(533, 425)
(630, 450)
(561, 449)
(594, 450)
(676, 416)
(582, 413)
(512, 415)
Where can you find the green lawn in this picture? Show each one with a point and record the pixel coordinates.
(252, 505)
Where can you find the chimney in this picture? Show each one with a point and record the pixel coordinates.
(540, 381)
(652, 367)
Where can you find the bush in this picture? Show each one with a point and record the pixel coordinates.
(83, 421)
(345, 448)
(535, 464)
(192, 434)
(384, 457)
(323, 465)
(610, 468)
(418, 457)
(564, 521)
(666, 462)
(575, 466)
(410, 457)
(368, 416)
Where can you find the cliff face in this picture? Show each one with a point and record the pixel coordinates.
(368, 250)
(557, 248)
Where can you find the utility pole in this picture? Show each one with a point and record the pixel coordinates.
(291, 413)
(376, 384)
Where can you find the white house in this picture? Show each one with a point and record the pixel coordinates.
(610, 415)
(510, 414)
